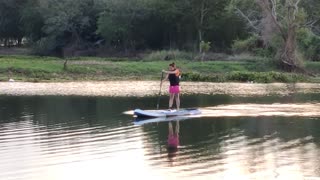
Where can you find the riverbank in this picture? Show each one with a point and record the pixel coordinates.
(51, 69)
(150, 88)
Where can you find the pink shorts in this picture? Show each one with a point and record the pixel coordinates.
(173, 141)
(174, 89)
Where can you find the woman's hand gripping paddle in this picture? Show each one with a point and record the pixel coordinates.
(160, 90)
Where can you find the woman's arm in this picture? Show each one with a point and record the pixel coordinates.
(170, 72)
(166, 78)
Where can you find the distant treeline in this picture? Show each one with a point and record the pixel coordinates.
(67, 27)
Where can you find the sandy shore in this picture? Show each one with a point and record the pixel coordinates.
(150, 88)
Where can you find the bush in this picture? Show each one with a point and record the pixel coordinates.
(265, 77)
(205, 46)
(309, 44)
(45, 46)
(199, 77)
(40, 75)
(263, 52)
(247, 45)
(29, 73)
(168, 55)
(254, 46)
(257, 77)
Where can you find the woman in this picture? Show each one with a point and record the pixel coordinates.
(174, 89)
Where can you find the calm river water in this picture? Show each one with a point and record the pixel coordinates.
(70, 137)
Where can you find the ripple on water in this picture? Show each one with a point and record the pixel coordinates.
(228, 148)
(39, 146)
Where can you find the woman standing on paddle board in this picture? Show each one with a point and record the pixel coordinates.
(174, 89)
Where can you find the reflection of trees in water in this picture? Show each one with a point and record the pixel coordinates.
(77, 120)
(11, 107)
(54, 110)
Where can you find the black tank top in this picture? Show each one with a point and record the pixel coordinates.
(174, 80)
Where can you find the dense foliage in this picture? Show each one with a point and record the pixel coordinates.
(77, 27)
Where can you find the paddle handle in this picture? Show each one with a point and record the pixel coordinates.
(159, 95)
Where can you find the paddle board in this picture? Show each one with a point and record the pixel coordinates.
(166, 113)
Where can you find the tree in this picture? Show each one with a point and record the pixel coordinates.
(203, 11)
(138, 23)
(10, 24)
(204, 46)
(283, 18)
(68, 24)
(57, 26)
(32, 20)
(312, 8)
(161, 24)
(118, 20)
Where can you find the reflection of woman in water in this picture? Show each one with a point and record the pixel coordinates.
(173, 139)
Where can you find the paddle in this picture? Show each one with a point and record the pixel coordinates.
(160, 91)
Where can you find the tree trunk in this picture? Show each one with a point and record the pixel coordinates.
(288, 53)
(203, 54)
(6, 42)
(19, 42)
(202, 15)
(200, 39)
(289, 60)
(65, 64)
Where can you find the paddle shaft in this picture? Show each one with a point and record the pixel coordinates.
(159, 95)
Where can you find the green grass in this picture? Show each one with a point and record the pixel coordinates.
(31, 63)
(313, 66)
(257, 77)
(33, 68)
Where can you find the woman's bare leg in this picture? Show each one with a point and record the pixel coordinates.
(170, 129)
(171, 100)
(177, 128)
(177, 96)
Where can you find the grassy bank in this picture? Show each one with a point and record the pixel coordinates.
(32, 68)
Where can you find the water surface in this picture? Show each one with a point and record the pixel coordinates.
(52, 137)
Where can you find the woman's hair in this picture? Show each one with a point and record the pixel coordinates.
(172, 64)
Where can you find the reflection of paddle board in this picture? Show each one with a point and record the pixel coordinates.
(166, 113)
(144, 120)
